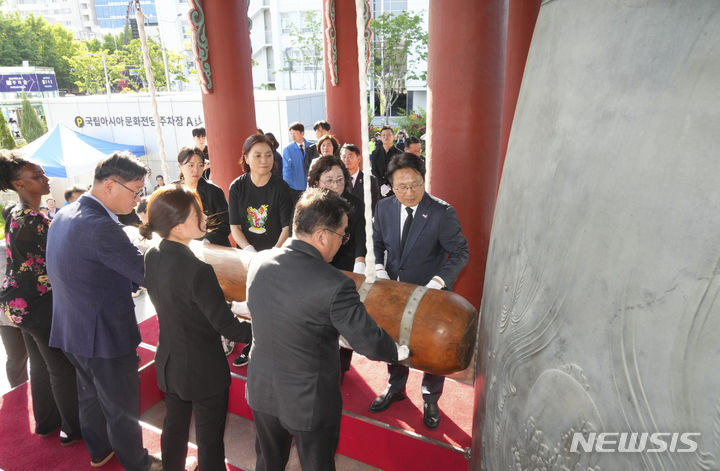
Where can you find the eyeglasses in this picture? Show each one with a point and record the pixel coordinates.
(405, 188)
(345, 237)
(137, 194)
(338, 182)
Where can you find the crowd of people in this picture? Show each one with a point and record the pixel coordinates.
(71, 273)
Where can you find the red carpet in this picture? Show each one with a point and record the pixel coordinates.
(22, 450)
(389, 439)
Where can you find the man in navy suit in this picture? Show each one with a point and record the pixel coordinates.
(351, 156)
(420, 239)
(294, 160)
(92, 266)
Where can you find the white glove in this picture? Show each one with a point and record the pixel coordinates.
(403, 352)
(384, 189)
(240, 309)
(250, 248)
(344, 343)
(359, 268)
(434, 284)
(381, 273)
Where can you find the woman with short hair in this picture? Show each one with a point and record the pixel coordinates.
(330, 173)
(260, 206)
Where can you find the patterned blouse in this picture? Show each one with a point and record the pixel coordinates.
(26, 278)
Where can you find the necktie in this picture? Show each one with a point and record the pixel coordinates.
(406, 229)
(302, 148)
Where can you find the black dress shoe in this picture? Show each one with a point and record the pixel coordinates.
(431, 416)
(102, 460)
(384, 400)
(67, 440)
(241, 360)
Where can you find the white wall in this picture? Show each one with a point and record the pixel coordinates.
(274, 112)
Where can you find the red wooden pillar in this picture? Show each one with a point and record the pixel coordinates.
(230, 106)
(522, 16)
(466, 68)
(342, 99)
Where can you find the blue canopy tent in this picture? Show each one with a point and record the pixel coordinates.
(65, 153)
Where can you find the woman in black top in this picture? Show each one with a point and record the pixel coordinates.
(26, 300)
(215, 207)
(330, 173)
(260, 205)
(192, 313)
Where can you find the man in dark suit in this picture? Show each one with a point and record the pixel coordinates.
(93, 266)
(293, 384)
(351, 156)
(420, 239)
(381, 157)
(321, 128)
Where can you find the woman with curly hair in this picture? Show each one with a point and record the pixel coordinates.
(26, 299)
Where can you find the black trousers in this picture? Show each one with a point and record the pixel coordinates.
(16, 353)
(432, 385)
(316, 449)
(109, 394)
(345, 358)
(52, 377)
(210, 415)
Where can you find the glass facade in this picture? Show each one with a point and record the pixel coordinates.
(113, 14)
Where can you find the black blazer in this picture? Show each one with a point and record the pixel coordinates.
(379, 161)
(299, 304)
(215, 206)
(358, 191)
(192, 312)
(345, 257)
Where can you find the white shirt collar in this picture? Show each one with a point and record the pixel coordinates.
(113, 216)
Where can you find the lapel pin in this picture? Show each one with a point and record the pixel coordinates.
(425, 215)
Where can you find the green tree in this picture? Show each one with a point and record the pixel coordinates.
(37, 41)
(308, 39)
(132, 56)
(399, 47)
(6, 139)
(126, 63)
(31, 126)
(88, 73)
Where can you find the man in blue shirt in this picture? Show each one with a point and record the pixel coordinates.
(92, 266)
(294, 160)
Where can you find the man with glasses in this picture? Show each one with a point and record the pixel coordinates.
(293, 380)
(420, 239)
(92, 266)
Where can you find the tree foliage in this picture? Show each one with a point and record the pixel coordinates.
(125, 63)
(31, 126)
(399, 47)
(37, 41)
(6, 139)
(308, 39)
(78, 64)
